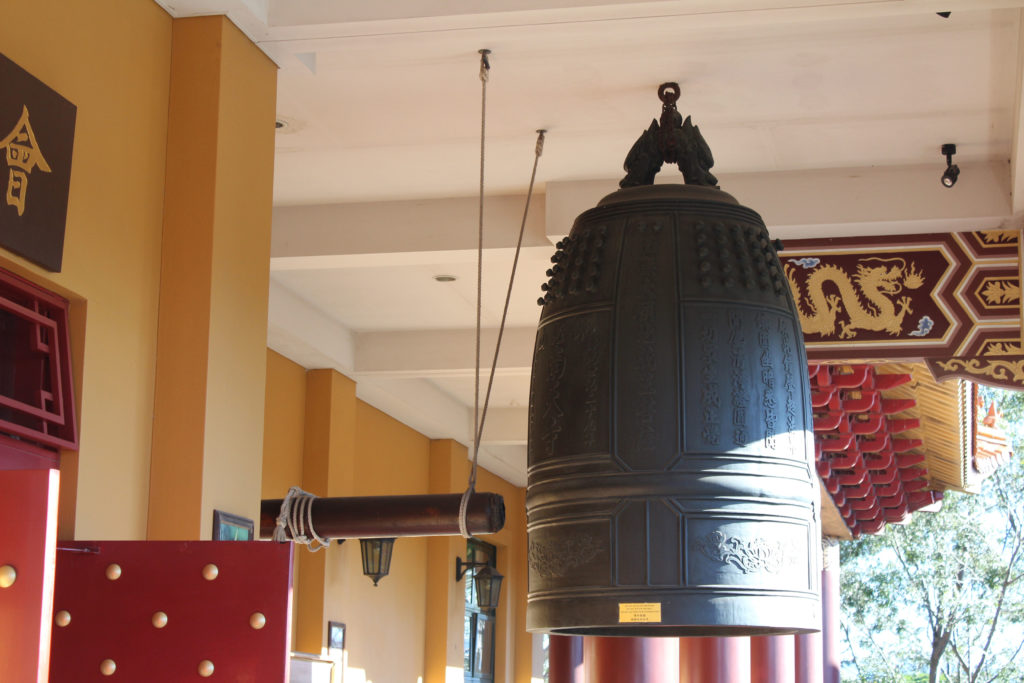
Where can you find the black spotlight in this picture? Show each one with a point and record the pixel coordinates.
(952, 171)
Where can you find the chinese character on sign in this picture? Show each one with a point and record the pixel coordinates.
(32, 224)
(23, 155)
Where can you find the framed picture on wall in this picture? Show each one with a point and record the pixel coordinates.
(228, 527)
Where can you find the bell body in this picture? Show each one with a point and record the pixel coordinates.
(671, 482)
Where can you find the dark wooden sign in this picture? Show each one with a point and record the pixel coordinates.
(37, 135)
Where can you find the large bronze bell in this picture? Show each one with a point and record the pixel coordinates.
(671, 482)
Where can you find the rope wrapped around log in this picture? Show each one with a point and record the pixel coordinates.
(394, 516)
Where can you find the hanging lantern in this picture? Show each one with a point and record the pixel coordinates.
(486, 581)
(376, 554)
(487, 585)
(671, 489)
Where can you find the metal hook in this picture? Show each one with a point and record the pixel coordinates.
(668, 93)
(485, 64)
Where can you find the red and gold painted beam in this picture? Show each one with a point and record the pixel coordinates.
(951, 300)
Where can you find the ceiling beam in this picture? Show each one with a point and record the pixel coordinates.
(418, 404)
(306, 336)
(505, 427)
(310, 338)
(428, 225)
(441, 353)
(822, 202)
(837, 202)
(507, 463)
(252, 17)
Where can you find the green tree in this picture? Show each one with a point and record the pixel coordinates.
(941, 598)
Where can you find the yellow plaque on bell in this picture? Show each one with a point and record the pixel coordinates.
(639, 612)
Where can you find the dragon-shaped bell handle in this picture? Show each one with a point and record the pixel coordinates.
(673, 140)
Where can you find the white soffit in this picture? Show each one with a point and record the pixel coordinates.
(826, 116)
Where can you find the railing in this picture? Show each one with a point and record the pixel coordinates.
(36, 391)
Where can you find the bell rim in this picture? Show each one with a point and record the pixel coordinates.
(675, 631)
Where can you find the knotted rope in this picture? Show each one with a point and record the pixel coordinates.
(296, 518)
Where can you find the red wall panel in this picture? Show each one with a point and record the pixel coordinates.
(206, 620)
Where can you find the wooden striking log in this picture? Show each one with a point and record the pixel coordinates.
(394, 516)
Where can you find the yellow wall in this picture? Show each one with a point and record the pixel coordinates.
(392, 460)
(282, 431)
(112, 60)
(215, 263)
(418, 609)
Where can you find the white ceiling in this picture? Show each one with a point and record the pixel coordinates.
(825, 116)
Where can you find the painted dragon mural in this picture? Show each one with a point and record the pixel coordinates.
(950, 299)
(832, 302)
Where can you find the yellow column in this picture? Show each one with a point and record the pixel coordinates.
(446, 603)
(214, 275)
(328, 468)
(283, 437)
(446, 606)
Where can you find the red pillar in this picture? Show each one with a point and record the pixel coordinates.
(772, 659)
(565, 659)
(714, 660)
(631, 660)
(28, 550)
(830, 610)
(808, 658)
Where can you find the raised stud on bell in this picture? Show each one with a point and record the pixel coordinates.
(8, 575)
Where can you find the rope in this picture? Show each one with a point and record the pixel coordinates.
(480, 416)
(485, 68)
(538, 151)
(296, 517)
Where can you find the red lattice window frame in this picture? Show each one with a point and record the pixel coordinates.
(36, 396)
